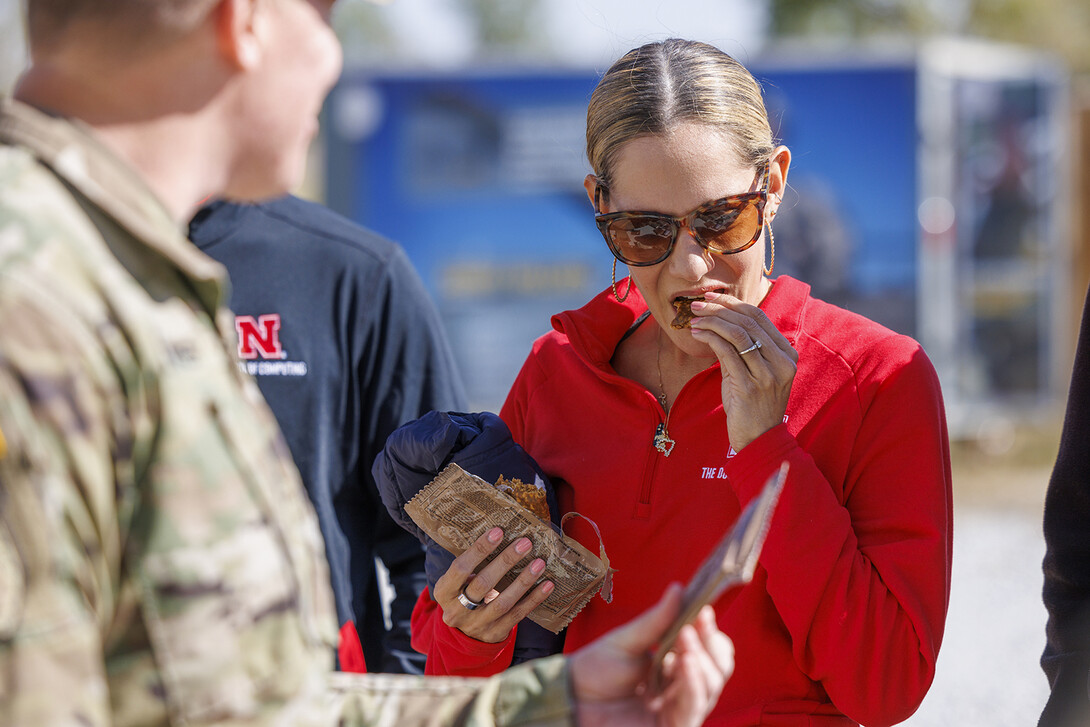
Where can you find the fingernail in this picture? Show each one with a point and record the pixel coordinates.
(523, 545)
(547, 587)
(494, 535)
(698, 305)
(537, 566)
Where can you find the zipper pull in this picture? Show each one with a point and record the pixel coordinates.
(662, 441)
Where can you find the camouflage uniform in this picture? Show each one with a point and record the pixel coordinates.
(159, 561)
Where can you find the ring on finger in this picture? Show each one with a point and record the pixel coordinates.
(756, 345)
(468, 602)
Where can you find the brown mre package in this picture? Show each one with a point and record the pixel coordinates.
(457, 507)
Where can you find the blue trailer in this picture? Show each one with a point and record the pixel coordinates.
(925, 194)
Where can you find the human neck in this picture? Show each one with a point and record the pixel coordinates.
(167, 144)
(679, 364)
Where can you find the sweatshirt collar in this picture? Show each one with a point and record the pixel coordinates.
(785, 305)
(595, 329)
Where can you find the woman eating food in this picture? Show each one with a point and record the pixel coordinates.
(661, 407)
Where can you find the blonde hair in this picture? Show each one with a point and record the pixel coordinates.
(659, 85)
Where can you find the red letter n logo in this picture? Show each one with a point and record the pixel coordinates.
(260, 337)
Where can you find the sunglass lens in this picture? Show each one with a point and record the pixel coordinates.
(641, 239)
(727, 227)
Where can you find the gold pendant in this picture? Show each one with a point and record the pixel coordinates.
(662, 441)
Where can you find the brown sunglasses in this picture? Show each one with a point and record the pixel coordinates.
(728, 225)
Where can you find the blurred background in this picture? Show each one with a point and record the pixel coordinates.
(939, 183)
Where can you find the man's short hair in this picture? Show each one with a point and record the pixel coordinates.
(49, 20)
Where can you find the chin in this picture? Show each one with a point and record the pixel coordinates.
(696, 349)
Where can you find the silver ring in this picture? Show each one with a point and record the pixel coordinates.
(756, 345)
(467, 602)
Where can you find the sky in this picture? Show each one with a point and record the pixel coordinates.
(584, 32)
(581, 33)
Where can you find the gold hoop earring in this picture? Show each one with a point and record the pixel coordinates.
(772, 241)
(626, 291)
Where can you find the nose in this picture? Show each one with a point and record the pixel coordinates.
(690, 260)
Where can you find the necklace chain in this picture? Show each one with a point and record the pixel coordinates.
(658, 364)
(661, 441)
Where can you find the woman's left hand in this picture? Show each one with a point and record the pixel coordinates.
(757, 362)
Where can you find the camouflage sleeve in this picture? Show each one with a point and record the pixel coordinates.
(534, 693)
(59, 536)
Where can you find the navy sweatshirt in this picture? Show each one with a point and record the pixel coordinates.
(346, 345)
(1066, 659)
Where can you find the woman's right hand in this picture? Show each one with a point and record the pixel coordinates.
(497, 613)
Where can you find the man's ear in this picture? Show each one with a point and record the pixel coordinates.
(236, 32)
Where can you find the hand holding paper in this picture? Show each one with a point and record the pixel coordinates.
(731, 563)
